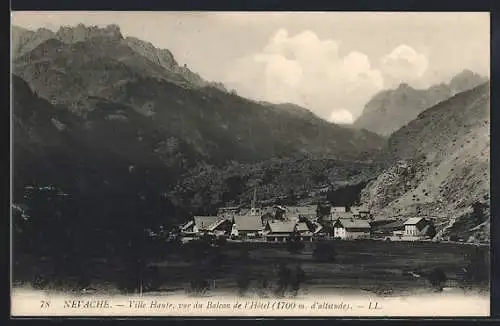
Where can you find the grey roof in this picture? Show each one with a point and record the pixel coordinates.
(391, 226)
(204, 222)
(230, 208)
(343, 215)
(282, 227)
(248, 222)
(216, 224)
(302, 210)
(186, 225)
(354, 224)
(413, 220)
(319, 227)
(302, 227)
(358, 209)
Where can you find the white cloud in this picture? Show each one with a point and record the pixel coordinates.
(308, 71)
(403, 64)
(341, 116)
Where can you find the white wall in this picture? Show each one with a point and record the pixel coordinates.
(357, 235)
(339, 232)
(411, 230)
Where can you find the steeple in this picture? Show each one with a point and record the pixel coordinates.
(253, 209)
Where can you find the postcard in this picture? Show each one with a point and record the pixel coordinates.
(250, 164)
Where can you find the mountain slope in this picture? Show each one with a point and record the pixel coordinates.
(442, 167)
(74, 71)
(390, 110)
(24, 41)
(121, 114)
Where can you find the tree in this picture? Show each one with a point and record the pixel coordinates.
(323, 209)
(243, 281)
(437, 278)
(478, 214)
(295, 244)
(298, 277)
(283, 281)
(476, 270)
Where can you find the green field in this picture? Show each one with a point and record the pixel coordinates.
(375, 266)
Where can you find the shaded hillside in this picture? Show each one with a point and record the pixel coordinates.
(278, 181)
(86, 179)
(390, 110)
(113, 143)
(442, 167)
(114, 108)
(79, 70)
(102, 153)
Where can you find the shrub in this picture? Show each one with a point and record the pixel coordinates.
(284, 275)
(437, 278)
(476, 270)
(198, 286)
(295, 245)
(263, 286)
(243, 283)
(39, 282)
(151, 278)
(297, 278)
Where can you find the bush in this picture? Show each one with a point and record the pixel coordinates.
(325, 252)
(39, 282)
(151, 279)
(437, 278)
(243, 283)
(295, 245)
(264, 286)
(298, 277)
(198, 286)
(284, 278)
(476, 271)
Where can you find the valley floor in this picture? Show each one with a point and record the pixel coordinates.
(376, 267)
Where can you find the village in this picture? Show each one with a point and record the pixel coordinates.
(278, 223)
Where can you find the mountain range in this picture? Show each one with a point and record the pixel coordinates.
(116, 122)
(441, 167)
(392, 109)
(89, 99)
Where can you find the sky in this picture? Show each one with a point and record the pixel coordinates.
(329, 62)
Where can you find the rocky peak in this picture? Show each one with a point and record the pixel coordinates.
(466, 80)
(162, 57)
(80, 32)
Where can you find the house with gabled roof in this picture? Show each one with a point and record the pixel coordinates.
(247, 226)
(228, 211)
(221, 227)
(361, 212)
(279, 231)
(337, 209)
(418, 228)
(305, 233)
(297, 212)
(338, 215)
(387, 228)
(350, 229)
(202, 223)
(187, 228)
